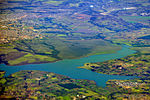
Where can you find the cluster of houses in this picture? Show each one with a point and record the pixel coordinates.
(128, 84)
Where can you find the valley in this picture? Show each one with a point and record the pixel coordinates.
(75, 50)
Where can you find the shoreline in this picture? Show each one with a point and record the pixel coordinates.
(69, 67)
(42, 62)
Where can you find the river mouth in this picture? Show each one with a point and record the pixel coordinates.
(69, 68)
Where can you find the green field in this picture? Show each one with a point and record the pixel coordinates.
(136, 19)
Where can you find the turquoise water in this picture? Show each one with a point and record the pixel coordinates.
(69, 68)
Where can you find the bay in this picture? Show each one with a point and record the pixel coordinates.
(69, 68)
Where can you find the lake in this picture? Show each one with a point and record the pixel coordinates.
(69, 68)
